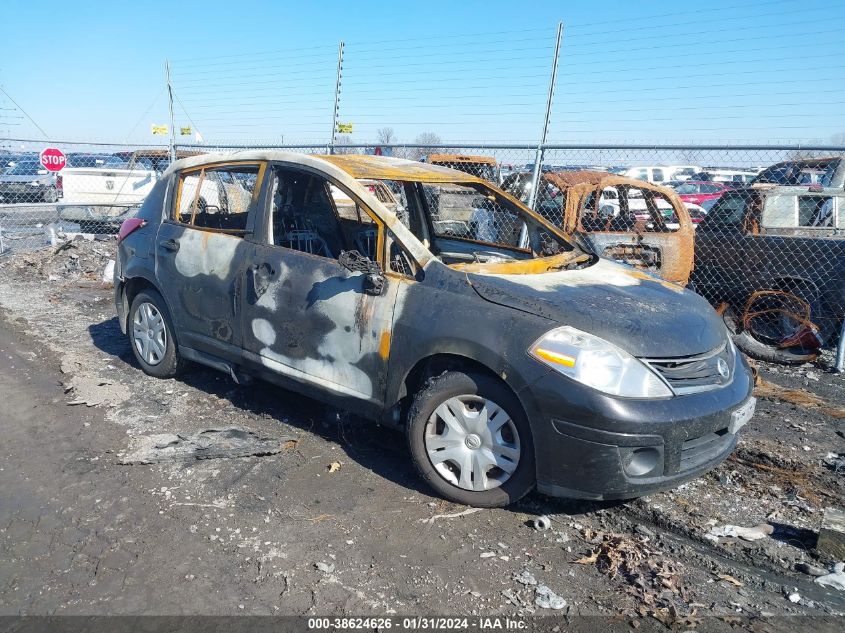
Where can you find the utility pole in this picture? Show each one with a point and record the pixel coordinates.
(337, 96)
(541, 148)
(172, 120)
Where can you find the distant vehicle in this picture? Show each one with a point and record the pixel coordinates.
(11, 159)
(28, 181)
(484, 167)
(101, 161)
(658, 174)
(740, 177)
(698, 191)
(102, 189)
(758, 243)
(826, 172)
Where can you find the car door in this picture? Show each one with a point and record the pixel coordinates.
(304, 315)
(200, 255)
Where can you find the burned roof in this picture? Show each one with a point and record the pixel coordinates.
(388, 168)
(354, 165)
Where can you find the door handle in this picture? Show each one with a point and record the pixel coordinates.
(170, 245)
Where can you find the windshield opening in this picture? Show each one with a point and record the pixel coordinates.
(468, 222)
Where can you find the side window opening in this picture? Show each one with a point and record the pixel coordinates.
(815, 211)
(217, 198)
(312, 215)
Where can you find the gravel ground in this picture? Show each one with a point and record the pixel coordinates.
(334, 519)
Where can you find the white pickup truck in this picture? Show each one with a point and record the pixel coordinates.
(100, 190)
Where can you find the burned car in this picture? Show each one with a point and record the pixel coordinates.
(509, 356)
(634, 222)
(775, 257)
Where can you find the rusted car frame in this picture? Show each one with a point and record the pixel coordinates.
(567, 199)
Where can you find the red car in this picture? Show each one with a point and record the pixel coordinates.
(699, 191)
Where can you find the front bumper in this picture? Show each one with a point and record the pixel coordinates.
(592, 446)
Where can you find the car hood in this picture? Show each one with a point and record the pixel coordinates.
(640, 313)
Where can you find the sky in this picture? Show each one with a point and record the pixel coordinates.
(248, 71)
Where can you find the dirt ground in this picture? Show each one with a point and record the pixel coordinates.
(334, 520)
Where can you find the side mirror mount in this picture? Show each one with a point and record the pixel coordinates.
(375, 281)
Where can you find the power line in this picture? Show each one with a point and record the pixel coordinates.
(8, 96)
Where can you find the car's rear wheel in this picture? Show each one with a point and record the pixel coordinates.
(470, 440)
(151, 335)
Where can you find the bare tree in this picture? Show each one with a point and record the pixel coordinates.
(426, 138)
(340, 144)
(386, 136)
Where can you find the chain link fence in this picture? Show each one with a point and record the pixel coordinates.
(770, 255)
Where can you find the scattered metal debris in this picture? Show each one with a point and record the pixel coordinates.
(545, 598)
(454, 515)
(541, 523)
(526, 578)
(836, 579)
(755, 533)
(206, 444)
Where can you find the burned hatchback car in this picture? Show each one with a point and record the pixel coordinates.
(510, 357)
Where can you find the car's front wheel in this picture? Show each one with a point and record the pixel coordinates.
(470, 440)
(51, 195)
(151, 335)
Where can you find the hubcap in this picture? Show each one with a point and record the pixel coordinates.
(149, 333)
(472, 443)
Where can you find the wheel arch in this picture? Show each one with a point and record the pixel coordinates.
(438, 362)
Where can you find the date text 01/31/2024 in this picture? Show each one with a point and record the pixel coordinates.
(416, 623)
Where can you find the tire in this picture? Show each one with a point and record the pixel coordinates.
(512, 445)
(759, 350)
(51, 195)
(158, 355)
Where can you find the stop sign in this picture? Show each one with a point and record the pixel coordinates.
(53, 159)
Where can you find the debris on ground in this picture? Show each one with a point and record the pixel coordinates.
(206, 444)
(649, 575)
(794, 597)
(334, 467)
(801, 397)
(83, 387)
(454, 515)
(755, 533)
(541, 523)
(810, 570)
(70, 260)
(836, 579)
(545, 598)
(835, 461)
(832, 534)
(526, 578)
(326, 568)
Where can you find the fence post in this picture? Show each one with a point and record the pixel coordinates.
(538, 159)
(840, 350)
(172, 119)
(337, 96)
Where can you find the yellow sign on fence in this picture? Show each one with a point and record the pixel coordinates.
(159, 130)
(185, 131)
(344, 128)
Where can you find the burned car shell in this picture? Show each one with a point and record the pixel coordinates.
(668, 253)
(331, 339)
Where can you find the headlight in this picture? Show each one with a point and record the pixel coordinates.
(598, 364)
